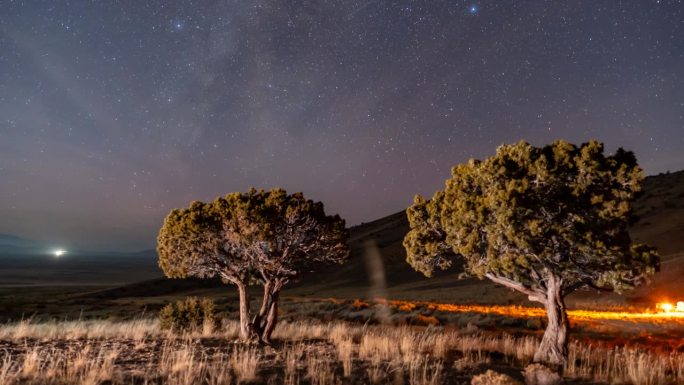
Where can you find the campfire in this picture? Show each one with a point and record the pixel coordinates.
(668, 307)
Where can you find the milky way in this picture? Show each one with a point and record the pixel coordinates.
(113, 113)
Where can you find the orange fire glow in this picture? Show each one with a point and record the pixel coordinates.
(663, 312)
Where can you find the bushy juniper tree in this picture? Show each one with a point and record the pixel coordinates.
(266, 236)
(543, 221)
(295, 236)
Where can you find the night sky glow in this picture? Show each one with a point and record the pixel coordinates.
(113, 113)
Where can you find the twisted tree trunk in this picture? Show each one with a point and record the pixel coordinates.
(247, 331)
(259, 320)
(272, 318)
(553, 349)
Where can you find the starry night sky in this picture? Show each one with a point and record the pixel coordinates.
(114, 112)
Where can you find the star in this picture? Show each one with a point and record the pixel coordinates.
(273, 97)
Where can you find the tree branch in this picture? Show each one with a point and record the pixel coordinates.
(575, 286)
(533, 295)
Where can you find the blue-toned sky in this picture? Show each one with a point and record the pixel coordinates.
(114, 112)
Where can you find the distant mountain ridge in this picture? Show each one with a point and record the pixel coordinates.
(15, 246)
(660, 210)
(8, 239)
(12, 245)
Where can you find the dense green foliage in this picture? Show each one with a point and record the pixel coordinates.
(543, 221)
(260, 236)
(254, 235)
(528, 211)
(189, 314)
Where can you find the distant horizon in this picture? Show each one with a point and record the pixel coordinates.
(48, 247)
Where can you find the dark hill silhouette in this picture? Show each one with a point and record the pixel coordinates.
(660, 212)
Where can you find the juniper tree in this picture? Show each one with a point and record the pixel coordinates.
(295, 236)
(266, 236)
(200, 241)
(543, 221)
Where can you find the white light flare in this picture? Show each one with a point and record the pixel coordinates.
(667, 307)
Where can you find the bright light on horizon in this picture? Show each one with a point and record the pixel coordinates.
(59, 252)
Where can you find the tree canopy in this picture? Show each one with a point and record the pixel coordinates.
(267, 236)
(538, 220)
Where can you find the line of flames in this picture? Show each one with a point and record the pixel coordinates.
(664, 312)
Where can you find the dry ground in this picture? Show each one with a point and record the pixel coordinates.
(308, 352)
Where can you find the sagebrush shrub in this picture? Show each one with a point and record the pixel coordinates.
(491, 377)
(189, 314)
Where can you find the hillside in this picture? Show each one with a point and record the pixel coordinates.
(661, 223)
(660, 213)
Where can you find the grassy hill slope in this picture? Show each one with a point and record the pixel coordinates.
(661, 223)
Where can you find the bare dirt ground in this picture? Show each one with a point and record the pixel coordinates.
(304, 352)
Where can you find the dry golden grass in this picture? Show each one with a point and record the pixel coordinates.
(92, 364)
(136, 330)
(629, 365)
(376, 372)
(292, 357)
(320, 371)
(422, 371)
(103, 352)
(345, 353)
(245, 363)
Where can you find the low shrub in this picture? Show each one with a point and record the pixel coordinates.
(491, 377)
(190, 314)
(538, 374)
